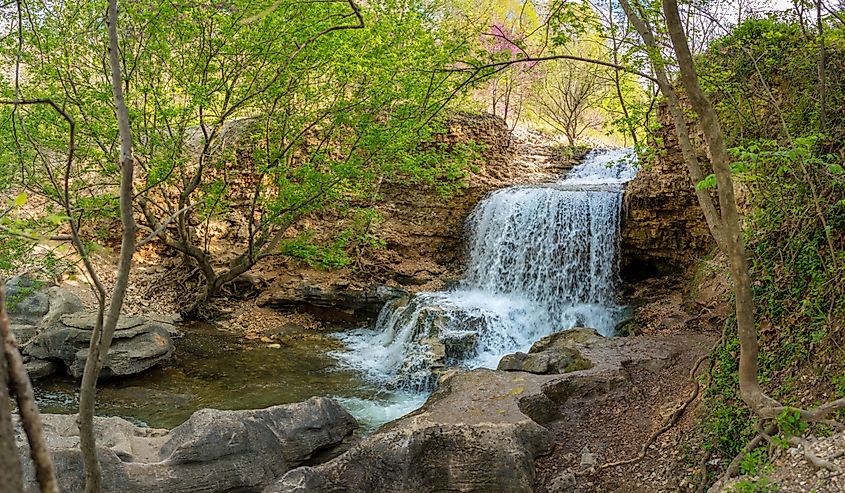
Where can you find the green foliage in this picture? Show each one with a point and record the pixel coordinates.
(779, 53)
(13, 253)
(795, 225)
(790, 425)
(248, 112)
(795, 217)
(761, 485)
(327, 257)
(755, 463)
(728, 423)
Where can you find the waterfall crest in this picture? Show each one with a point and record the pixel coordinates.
(539, 259)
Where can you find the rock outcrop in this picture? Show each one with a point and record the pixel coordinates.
(663, 228)
(469, 436)
(53, 331)
(214, 451)
(337, 300)
(557, 353)
(34, 304)
(481, 430)
(139, 343)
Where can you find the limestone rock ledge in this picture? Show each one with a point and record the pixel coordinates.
(53, 330)
(481, 430)
(213, 451)
(663, 228)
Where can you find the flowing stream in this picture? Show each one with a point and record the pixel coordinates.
(540, 259)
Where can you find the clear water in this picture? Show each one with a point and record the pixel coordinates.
(540, 259)
(213, 368)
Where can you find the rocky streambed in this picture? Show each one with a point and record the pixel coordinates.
(480, 431)
(147, 381)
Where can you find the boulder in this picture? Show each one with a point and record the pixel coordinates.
(39, 368)
(139, 343)
(33, 304)
(213, 451)
(23, 333)
(553, 354)
(470, 436)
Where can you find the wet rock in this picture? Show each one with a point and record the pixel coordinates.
(553, 354)
(460, 345)
(437, 350)
(139, 343)
(333, 301)
(214, 451)
(454, 330)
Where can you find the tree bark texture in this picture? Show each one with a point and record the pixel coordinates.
(18, 381)
(100, 342)
(723, 222)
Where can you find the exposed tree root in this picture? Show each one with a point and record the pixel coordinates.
(764, 435)
(702, 483)
(814, 460)
(668, 423)
(733, 467)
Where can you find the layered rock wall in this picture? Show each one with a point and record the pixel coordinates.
(422, 233)
(663, 228)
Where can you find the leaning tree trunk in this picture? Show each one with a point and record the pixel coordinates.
(13, 377)
(723, 222)
(10, 464)
(734, 244)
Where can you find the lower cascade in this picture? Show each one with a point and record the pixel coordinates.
(540, 259)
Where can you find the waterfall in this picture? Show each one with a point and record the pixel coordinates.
(539, 259)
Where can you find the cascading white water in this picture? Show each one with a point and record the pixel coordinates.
(540, 259)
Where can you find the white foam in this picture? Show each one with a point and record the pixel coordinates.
(540, 259)
(372, 413)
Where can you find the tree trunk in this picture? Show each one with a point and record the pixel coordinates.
(10, 465)
(18, 381)
(822, 69)
(99, 346)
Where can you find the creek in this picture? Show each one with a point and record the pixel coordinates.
(540, 259)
